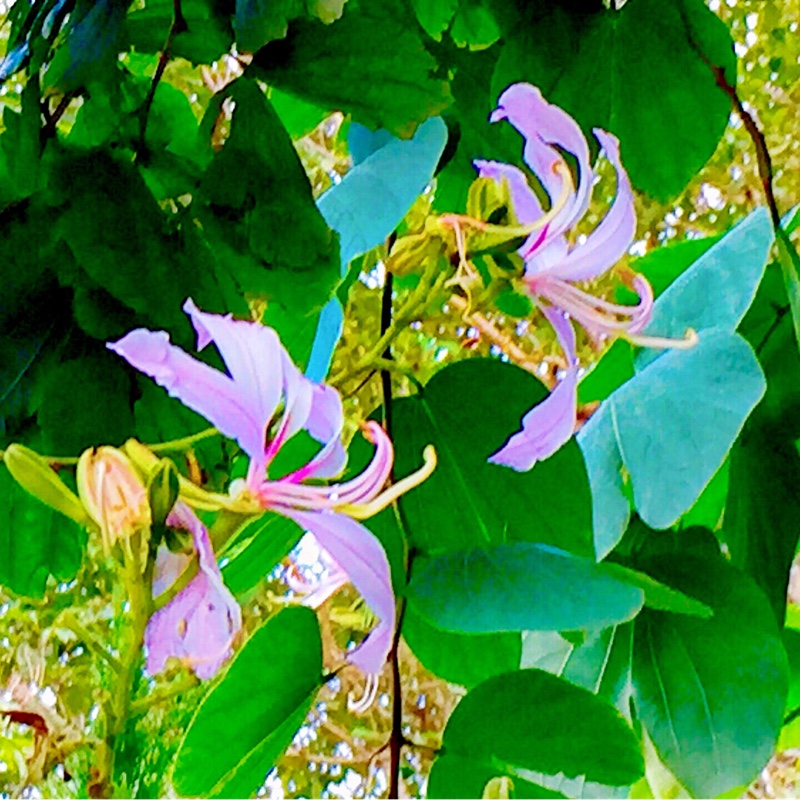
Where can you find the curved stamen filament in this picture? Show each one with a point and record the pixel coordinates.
(357, 491)
(689, 340)
(366, 510)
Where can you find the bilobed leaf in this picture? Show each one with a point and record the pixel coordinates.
(246, 721)
(519, 586)
(35, 541)
(531, 720)
(647, 49)
(718, 288)
(467, 411)
(371, 63)
(711, 693)
(694, 400)
(760, 525)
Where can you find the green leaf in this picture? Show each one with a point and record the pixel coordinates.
(601, 662)
(84, 402)
(19, 146)
(648, 49)
(711, 693)
(761, 524)
(298, 116)
(257, 22)
(260, 199)
(92, 39)
(664, 265)
(371, 63)
(246, 721)
(464, 659)
(531, 720)
(456, 776)
(467, 411)
(263, 544)
(35, 541)
(520, 586)
(608, 374)
(115, 230)
(368, 204)
(208, 35)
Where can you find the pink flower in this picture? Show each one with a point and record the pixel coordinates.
(199, 625)
(262, 402)
(553, 265)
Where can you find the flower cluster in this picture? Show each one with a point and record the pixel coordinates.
(553, 265)
(262, 402)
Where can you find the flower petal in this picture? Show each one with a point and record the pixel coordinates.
(364, 560)
(550, 424)
(252, 354)
(202, 388)
(611, 239)
(200, 623)
(544, 125)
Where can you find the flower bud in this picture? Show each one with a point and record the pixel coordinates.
(34, 474)
(113, 494)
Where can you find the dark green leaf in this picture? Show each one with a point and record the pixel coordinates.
(608, 374)
(456, 776)
(711, 693)
(84, 402)
(207, 38)
(648, 49)
(248, 719)
(257, 22)
(371, 64)
(35, 541)
(263, 544)
(762, 518)
(532, 720)
(464, 659)
(467, 411)
(517, 587)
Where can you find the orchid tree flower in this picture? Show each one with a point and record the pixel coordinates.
(200, 624)
(554, 265)
(262, 402)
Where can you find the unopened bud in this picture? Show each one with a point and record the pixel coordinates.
(113, 494)
(163, 485)
(34, 474)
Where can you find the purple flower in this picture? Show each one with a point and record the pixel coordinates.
(553, 265)
(199, 625)
(262, 402)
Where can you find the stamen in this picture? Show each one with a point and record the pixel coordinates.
(368, 698)
(366, 510)
(689, 340)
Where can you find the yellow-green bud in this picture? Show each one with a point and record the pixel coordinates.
(34, 474)
(113, 494)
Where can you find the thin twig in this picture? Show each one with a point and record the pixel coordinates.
(51, 120)
(178, 26)
(763, 157)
